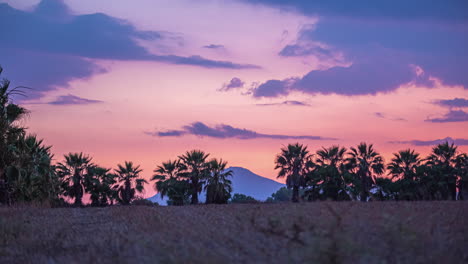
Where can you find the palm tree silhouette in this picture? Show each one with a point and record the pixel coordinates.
(196, 171)
(73, 172)
(404, 164)
(365, 163)
(10, 114)
(99, 185)
(218, 187)
(442, 162)
(169, 181)
(293, 162)
(128, 182)
(330, 169)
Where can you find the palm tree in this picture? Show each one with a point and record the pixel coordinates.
(404, 164)
(218, 187)
(10, 131)
(294, 163)
(73, 172)
(168, 177)
(32, 176)
(365, 163)
(404, 167)
(462, 171)
(128, 182)
(99, 185)
(196, 171)
(329, 172)
(442, 162)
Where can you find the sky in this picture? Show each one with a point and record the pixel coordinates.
(148, 80)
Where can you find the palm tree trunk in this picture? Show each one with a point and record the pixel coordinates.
(295, 194)
(194, 196)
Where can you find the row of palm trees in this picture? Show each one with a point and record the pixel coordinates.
(360, 173)
(184, 178)
(78, 176)
(27, 172)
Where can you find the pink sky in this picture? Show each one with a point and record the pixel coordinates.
(148, 96)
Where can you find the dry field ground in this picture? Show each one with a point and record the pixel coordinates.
(323, 232)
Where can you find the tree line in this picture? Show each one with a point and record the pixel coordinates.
(28, 173)
(360, 173)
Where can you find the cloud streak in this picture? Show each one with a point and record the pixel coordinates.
(223, 131)
(456, 141)
(451, 116)
(288, 102)
(73, 100)
(456, 102)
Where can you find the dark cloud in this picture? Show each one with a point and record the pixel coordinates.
(234, 83)
(456, 102)
(306, 49)
(169, 133)
(383, 55)
(214, 46)
(440, 10)
(289, 102)
(225, 131)
(457, 141)
(451, 116)
(49, 46)
(73, 100)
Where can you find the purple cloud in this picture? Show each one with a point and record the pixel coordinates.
(457, 141)
(73, 100)
(305, 49)
(382, 54)
(415, 10)
(213, 46)
(288, 102)
(451, 116)
(234, 83)
(456, 102)
(49, 46)
(223, 131)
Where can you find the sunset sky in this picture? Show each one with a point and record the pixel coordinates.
(147, 80)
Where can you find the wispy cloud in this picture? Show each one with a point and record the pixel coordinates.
(451, 116)
(223, 131)
(456, 141)
(214, 46)
(73, 100)
(289, 102)
(384, 116)
(234, 83)
(455, 102)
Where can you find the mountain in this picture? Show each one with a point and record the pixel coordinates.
(244, 182)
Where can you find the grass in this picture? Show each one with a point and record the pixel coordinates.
(324, 232)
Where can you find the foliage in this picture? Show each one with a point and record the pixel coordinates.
(169, 182)
(218, 187)
(73, 173)
(242, 198)
(294, 163)
(196, 170)
(128, 182)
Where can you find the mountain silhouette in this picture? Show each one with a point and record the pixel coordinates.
(243, 181)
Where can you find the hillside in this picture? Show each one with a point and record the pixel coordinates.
(243, 181)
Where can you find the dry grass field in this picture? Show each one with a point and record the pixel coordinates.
(324, 232)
